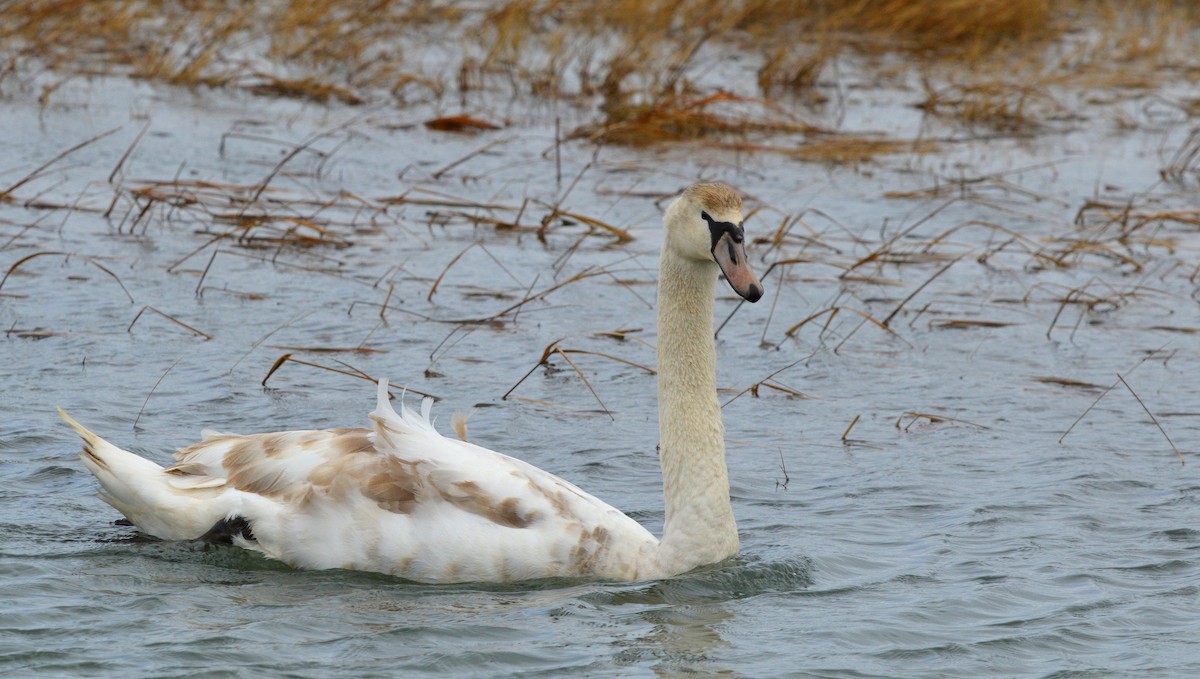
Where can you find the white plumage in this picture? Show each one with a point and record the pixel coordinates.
(400, 498)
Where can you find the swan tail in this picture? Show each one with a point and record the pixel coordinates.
(143, 492)
(392, 428)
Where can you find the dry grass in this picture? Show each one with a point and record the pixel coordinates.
(993, 105)
(856, 149)
(937, 25)
(646, 65)
(1184, 163)
(685, 119)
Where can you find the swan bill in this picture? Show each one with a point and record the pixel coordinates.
(731, 257)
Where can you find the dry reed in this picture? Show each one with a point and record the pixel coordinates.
(643, 63)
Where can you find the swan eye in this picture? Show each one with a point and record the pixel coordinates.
(718, 229)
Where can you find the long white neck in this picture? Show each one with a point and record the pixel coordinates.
(699, 527)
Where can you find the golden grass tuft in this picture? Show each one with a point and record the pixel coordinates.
(308, 89)
(856, 149)
(682, 119)
(995, 105)
(941, 25)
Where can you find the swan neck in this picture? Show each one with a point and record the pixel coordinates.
(699, 526)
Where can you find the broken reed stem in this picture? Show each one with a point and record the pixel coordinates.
(528, 290)
(762, 339)
(541, 361)
(1153, 419)
(434, 357)
(5, 193)
(169, 317)
(383, 307)
(756, 384)
(152, 389)
(116, 278)
(523, 378)
(765, 273)
(921, 287)
(26, 258)
(361, 374)
(586, 383)
(846, 433)
(262, 186)
(589, 272)
(558, 151)
(833, 311)
(553, 348)
(68, 255)
(622, 235)
(933, 419)
(499, 263)
(351, 372)
(554, 211)
(129, 151)
(24, 230)
(204, 274)
(648, 370)
(782, 468)
(267, 336)
(433, 288)
(479, 151)
(423, 317)
(1104, 393)
(887, 245)
(200, 248)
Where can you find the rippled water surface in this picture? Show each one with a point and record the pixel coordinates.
(947, 532)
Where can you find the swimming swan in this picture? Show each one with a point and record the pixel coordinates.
(400, 498)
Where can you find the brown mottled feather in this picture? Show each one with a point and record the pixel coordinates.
(394, 486)
(467, 495)
(592, 546)
(342, 463)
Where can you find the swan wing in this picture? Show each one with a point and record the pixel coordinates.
(403, 499)
(278, 465)
(475, 477)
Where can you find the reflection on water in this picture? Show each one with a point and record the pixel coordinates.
(932, 523)
(685, 640)
(686, 614)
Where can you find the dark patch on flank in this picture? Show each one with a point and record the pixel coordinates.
(394, 487)
(223, 531)
(468, 496)
(347, 441)
(508, 513)
(592, 547)
(274, 444)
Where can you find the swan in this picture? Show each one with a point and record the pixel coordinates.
(402, 499)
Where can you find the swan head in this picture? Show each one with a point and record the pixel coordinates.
(704, 226)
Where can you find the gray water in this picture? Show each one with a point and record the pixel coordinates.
(971, 543)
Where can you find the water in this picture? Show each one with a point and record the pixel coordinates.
(972, 543)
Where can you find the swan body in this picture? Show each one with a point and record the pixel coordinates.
(400, 498)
